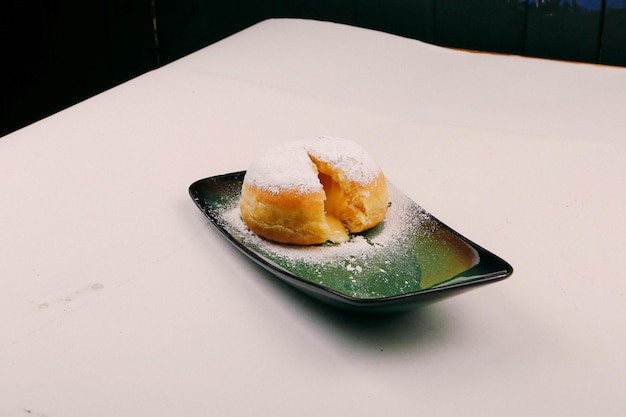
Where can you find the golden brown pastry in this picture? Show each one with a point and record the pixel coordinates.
(310, 192)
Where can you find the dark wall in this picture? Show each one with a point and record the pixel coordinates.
(58, 52)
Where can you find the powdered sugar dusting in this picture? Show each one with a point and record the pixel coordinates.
(284, 167)
(347, 156)
(289, 167)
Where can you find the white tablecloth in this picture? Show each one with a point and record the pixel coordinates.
(118, 298)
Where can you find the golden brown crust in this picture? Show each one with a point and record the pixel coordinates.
(285, 217)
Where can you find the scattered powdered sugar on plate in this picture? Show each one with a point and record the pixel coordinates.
(408, 252)
(403, 218)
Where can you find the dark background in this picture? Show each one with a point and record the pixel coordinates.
(55, 53)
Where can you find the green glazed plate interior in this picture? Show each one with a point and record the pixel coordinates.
(409, 260)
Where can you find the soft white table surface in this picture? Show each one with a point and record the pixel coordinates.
(117, 297)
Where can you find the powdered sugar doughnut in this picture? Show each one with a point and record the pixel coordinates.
(310, 192)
